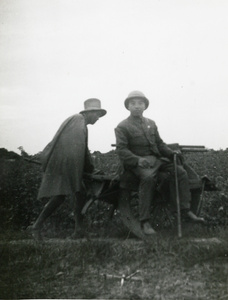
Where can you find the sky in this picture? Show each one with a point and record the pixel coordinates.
(55, 54)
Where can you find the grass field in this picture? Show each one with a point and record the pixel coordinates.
(194, 267)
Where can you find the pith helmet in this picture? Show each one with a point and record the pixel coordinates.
(93, 104)
(136, 94)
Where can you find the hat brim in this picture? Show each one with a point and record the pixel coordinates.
(146, 101)
(101, 111)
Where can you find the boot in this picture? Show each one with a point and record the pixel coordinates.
(192, 217)
(147, 229)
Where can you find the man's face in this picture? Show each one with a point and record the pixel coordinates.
(136, 106)
(93, 117)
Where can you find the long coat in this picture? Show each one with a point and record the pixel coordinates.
(65, 158)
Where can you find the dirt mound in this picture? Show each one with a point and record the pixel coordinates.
(5, 154)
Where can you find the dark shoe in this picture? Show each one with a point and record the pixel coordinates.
(191, 216)
(36, 234)
(147, 229)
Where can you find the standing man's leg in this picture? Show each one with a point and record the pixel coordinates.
(48, 209)
(79, 202)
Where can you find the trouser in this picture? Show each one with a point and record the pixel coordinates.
(55, 202)
(148, 181)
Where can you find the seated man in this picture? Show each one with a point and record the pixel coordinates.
(142, 151)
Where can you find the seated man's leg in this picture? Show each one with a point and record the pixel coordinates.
(184, 189)
(146, 192)
(147, 187)
(185, 194)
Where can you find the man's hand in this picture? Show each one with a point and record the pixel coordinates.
(143, 163)
(177, 152)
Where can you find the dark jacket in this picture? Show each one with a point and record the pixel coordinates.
(138, 137)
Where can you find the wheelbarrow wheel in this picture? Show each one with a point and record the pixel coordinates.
(128, 208)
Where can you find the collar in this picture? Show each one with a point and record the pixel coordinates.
(136, 119)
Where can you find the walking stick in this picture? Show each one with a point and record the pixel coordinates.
(177, 197)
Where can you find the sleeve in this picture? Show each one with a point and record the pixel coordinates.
(126, 156)
(88, 167)
(162, 147)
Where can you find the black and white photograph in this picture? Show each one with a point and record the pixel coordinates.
(114, 149)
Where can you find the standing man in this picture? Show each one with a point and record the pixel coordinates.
(64, 160)
(143, 152)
